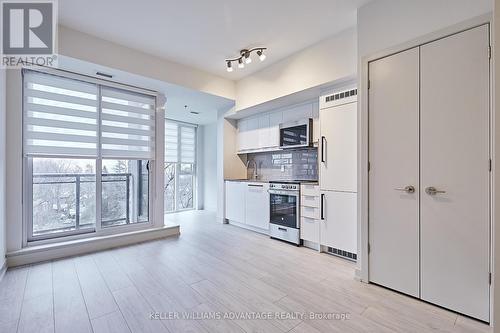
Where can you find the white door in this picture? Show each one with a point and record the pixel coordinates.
(455, 159)
(393, 156)
(257, 207)
(235, 201)
(338, 224)
(338, 148)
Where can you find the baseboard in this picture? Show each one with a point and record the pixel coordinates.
(34, 254)
(249, 227)
(3, 270)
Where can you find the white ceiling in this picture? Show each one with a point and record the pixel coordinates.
(177, 97)
(202, 33)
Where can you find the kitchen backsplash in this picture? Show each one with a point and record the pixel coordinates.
(290, 164)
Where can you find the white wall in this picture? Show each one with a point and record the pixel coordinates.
(209, 146)
(78, 45)
(386, 23)
(2, 169)
(329, 60)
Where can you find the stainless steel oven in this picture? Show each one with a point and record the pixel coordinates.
(284, 221)
(296, 134)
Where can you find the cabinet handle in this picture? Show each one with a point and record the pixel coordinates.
(322, 206)
(323, 141)
(255, 185)
(282, 229)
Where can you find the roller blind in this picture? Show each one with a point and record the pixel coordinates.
(171, 142)
(180, 142)
(60, 116)
(127, 124)
(188, 147)
(63, 117)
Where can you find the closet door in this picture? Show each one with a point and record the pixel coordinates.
(393, 178)
(455, 175)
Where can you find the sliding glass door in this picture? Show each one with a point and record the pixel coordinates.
(180, 166)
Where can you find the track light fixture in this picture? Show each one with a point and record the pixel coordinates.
(245, 57)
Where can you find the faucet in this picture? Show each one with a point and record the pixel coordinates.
(255, 174)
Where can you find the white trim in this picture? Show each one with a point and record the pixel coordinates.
(68, 248)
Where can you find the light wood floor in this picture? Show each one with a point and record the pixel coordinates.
(210, 269)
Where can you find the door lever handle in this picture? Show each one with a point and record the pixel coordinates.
(407, 189)
(433, 191)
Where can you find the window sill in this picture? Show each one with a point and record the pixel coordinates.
(38, 253)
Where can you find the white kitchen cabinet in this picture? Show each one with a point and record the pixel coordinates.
(309, 206)
(338, 148)
(243, 135)
(298, 112)
(257, 205)
(338, 227)
(309, 229)
(316, 125)
(264, 131)
(235, 201)
(275, 119)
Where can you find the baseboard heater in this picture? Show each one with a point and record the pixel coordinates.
(343, 254)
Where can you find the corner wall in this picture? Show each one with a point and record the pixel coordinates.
(209, 146)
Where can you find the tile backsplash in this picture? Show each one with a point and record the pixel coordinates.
(290, 164)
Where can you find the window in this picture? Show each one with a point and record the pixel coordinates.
(86, 146)
(180, 166)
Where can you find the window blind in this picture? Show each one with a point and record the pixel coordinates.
(171, 142)
(64, 117)
(188, 144)
(60, 116)
(127, 124)
(180, 143)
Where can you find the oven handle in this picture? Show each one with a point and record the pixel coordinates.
(322, 206)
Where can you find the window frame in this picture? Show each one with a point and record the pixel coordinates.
(177, 164)
(27, 172)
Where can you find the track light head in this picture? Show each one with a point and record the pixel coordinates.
(261, 55)
(240, 63)
(229, 66)
(247, 58)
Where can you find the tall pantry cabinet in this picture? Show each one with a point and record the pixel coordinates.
(429, 173)
(338, 172)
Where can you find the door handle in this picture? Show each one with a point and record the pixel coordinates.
(322, 206)
(323, 141)
(407, 189)
(433, 191)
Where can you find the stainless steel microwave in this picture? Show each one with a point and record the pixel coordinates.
(296, 134)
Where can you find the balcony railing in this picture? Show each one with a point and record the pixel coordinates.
(78, 179)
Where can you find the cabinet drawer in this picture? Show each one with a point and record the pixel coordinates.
(309, 201)
(309, 229)
(310, 212)
(309, 189)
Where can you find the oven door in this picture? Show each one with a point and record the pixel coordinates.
(284, 208)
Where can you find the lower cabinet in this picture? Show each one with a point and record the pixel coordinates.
(247, 203)
(235, 201)
(257, 205)
(339, 224)
(310, 213)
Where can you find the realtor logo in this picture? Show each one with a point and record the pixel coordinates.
(28, 33)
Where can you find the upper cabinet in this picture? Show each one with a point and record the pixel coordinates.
(261, 132)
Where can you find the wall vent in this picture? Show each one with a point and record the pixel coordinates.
(343, 254)
(341, 95)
